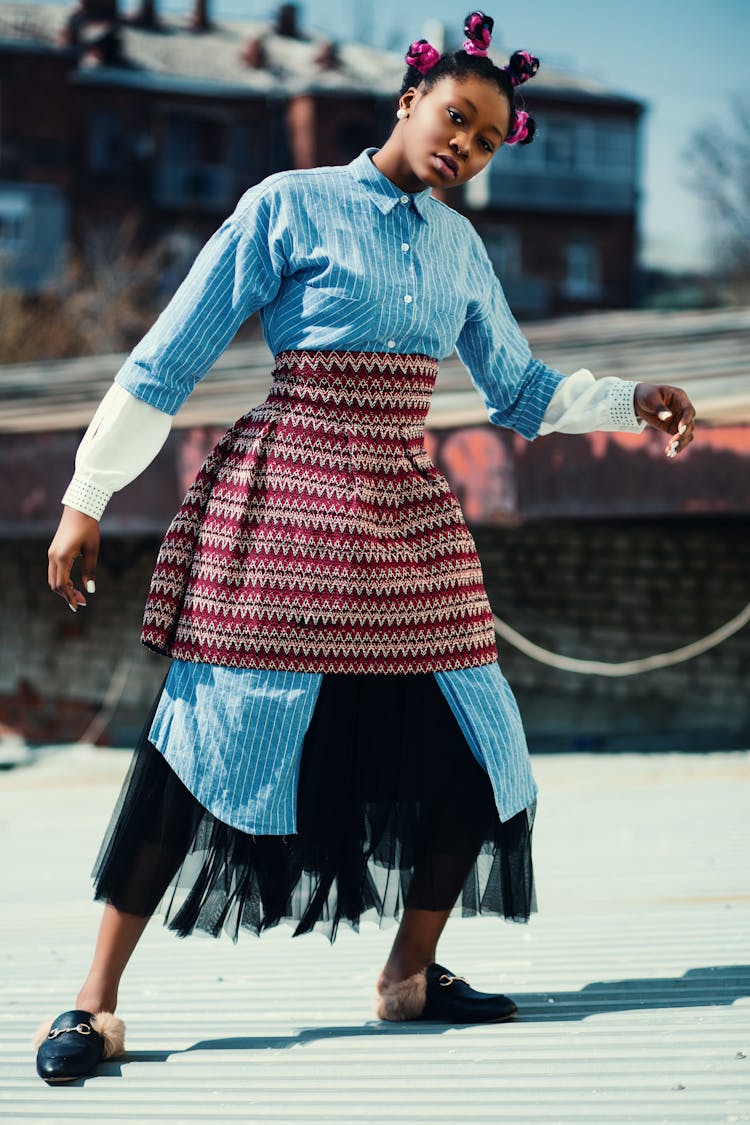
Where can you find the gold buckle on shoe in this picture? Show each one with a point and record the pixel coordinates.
(444, 980)
(81, 1028)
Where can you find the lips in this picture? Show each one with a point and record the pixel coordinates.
(448, 163)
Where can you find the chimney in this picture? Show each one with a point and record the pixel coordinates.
(145, 15)
(254, 54)
(199, 20)
(99, 11)
(327, 55)
(286, 21)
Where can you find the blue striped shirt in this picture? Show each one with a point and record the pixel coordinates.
(333, 258)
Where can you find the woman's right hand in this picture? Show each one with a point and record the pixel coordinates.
(77, 534)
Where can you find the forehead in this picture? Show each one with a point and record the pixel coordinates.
(487, 97)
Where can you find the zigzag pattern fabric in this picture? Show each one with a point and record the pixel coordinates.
(319, 536)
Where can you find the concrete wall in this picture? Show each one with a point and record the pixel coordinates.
(607, 591)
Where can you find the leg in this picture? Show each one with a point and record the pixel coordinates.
(401, 986)
(118, 936)
(411, 985)
(435, 886)
(415, 945)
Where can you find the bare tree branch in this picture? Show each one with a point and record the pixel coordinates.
(718, 170)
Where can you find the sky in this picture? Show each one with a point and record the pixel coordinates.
(686, 59)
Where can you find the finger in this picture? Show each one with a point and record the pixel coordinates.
(58, 573)
(90, 553)
(687, 417)
(679, 443)
(72, 597)
(71, 594)
(685, 433)
(60, 581)
(674, 409)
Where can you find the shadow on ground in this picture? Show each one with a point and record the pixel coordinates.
(698, 988)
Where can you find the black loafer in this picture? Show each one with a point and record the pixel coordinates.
(74, 1044)
(450, 999)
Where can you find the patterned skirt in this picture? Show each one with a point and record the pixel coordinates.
(319, 536)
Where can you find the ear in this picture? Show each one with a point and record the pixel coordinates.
(407, 98)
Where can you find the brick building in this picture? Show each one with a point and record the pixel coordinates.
(170, 119)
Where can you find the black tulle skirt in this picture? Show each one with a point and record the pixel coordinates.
(393, 811)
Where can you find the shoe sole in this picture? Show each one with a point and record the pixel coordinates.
(474, 1023)
(62, 1081)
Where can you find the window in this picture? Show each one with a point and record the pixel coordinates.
(351, 138)
(614, 150)
(106, 147)
(15, 222)
(560, 144)
(504, 248)
(193, 166)
(582, 275)
(247, 153)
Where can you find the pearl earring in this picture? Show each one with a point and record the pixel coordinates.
(401, 114)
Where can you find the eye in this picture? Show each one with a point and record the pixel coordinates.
(486, 146)
(455, 116)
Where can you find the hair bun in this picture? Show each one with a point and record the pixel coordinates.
(521, 67)
(478, 31)
(523, 129)
(422, 56)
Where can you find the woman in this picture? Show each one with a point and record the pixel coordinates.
(334, 734)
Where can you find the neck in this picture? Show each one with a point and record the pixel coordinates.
(392, 162)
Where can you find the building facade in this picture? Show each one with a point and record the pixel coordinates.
(168, 120)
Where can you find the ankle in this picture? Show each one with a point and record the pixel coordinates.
(97, 996)
(402, 965)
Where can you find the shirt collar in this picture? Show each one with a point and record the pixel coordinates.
(382, 191)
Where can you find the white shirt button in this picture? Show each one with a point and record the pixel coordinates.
(404, 199)
(407, 298)
(391, 343)
(404, 246)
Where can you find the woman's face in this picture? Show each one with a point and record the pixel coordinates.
(454, 129)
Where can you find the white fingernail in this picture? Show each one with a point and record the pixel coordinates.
(91, 586)
(72, 607)
(681, 428)
(664, 414)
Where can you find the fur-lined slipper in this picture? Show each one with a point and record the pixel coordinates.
(401, 1000)
(75, 1043)
(438, 995)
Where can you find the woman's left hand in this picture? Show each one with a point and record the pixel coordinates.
(668, 409)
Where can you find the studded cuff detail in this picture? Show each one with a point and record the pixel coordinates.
(86, 497)
(621, 407)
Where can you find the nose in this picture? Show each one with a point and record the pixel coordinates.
(458, 144)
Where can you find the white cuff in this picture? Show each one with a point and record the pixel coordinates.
(622, 408)
(86, 497)
(582, 404)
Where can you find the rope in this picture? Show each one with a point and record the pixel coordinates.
(112, 697)
(625, 667)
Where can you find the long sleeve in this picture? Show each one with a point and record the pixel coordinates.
(122, 439)
(521, 392)
(515, 387)
(238, 271)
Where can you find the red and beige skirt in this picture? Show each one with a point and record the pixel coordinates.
(319, 536)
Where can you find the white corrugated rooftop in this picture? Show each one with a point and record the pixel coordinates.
(633, 981)
(705, 351)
